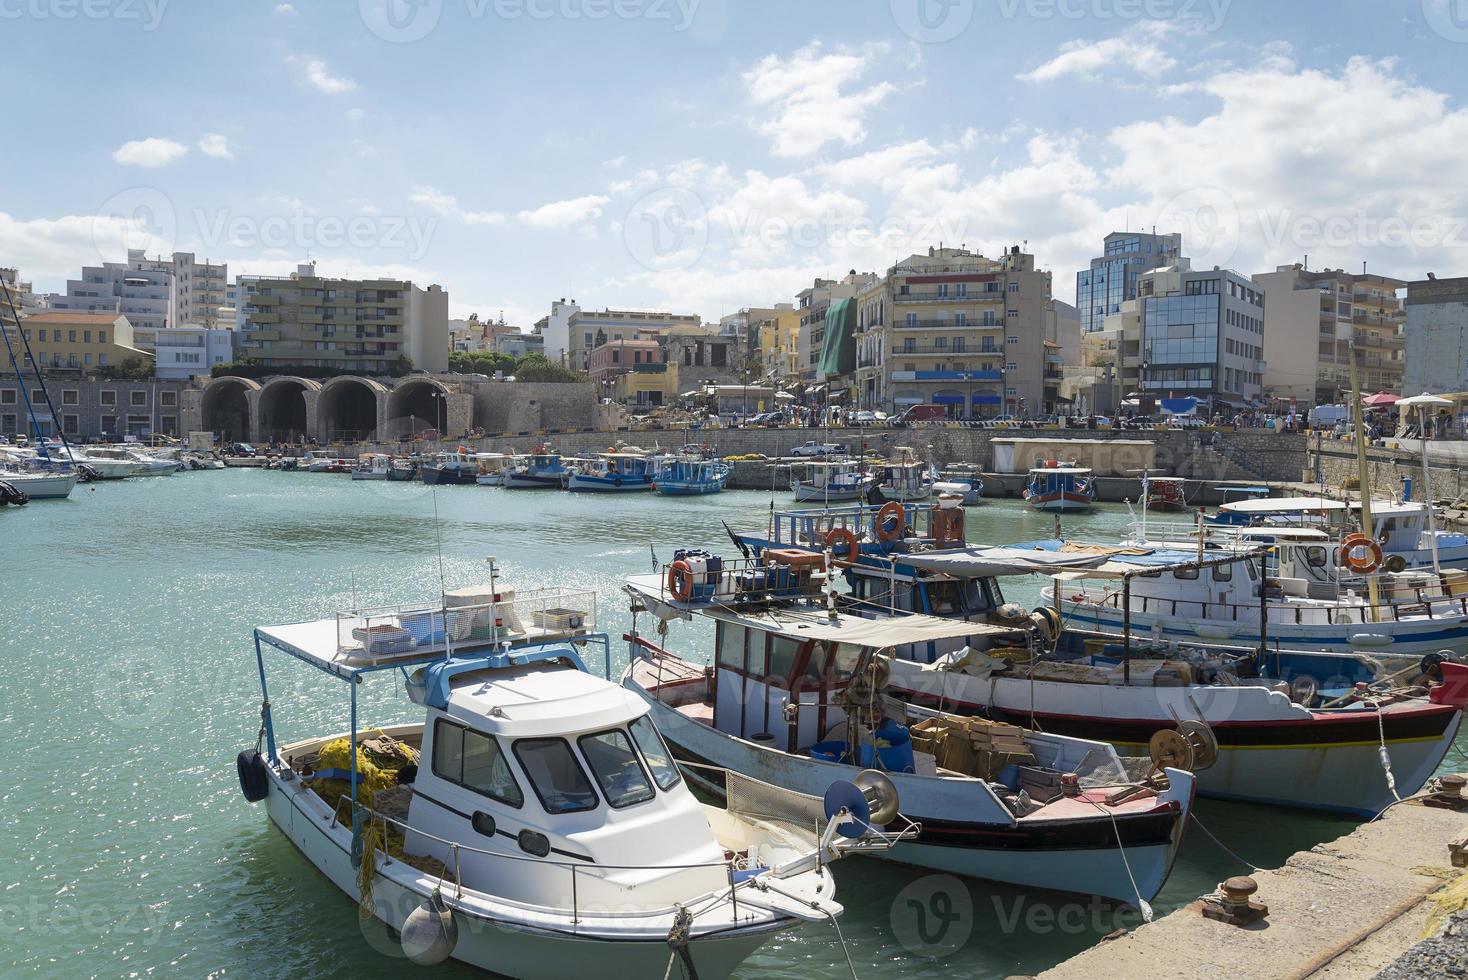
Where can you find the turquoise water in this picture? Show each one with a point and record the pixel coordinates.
(128, 850)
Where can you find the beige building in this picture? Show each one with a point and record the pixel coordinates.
(777, 341)
(1311, 319)
(586, 329)
(65, 340)
(961, 330)
(361, 326)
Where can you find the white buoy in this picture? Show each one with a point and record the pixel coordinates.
(430, 932)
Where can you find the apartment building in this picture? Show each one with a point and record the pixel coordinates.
(554, 331)
(67, 341)
(360, 326)
(829, 305)
(153, 294)
(776, 336)
(587, 329)
(20, 294)
(1311, 321)
(181, 353)
(632, 368)
(1202, 335)
(1437, 337)
(958, 329)
(1112, 278)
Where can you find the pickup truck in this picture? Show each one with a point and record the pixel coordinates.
(814, 448)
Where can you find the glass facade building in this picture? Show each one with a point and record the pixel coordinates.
(1112, 278)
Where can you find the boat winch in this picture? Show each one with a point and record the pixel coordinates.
(1191, 747)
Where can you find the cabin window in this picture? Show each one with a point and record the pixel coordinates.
(1223, 573)
(555, 775)
(534, 843)
(783, 651)
(483, 823)
(945, 598)
(474, 761)
(615, 765)
(1185, 574)
(1315, 557)
(655, 753)
(731, 646)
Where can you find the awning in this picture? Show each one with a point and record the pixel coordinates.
(1283, 505)
(1066, 560)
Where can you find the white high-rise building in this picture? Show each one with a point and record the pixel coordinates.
(154, 294)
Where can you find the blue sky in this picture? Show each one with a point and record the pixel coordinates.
(704, 155)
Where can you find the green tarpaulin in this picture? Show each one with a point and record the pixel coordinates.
(838, 345)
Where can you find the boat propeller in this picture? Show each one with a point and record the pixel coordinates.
(1192, 747)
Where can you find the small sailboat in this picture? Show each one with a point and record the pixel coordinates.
(1057, 488)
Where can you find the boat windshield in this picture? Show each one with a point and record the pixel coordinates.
(555, 776)
(614, 763)
(664, 771)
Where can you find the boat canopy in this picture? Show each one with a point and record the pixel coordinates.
(817, 624)
(1067, 560)
(1283, 505)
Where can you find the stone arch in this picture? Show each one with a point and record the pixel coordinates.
(284, 412)
(415, 404)
(226, 408)
(349, 409)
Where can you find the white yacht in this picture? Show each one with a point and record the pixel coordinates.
(146, 465)
(534, 823)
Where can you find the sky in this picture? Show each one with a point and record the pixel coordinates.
(707, 155)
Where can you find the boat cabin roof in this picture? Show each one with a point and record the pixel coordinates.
(816, 624)
(539, 699)
(1066, 559)
(1391, 508)
(1072, 470)
(1283, 505)
(1285, 533)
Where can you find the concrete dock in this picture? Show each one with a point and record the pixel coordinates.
(1343, 910)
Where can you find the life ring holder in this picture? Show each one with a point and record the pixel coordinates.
(892, 513)
(841, 535)
(680, 580)
(1350, 554)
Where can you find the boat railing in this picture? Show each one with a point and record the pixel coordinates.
(743, 581)
(809, 528)
(467, 621)
(1417, 605)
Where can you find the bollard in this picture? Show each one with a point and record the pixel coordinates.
(1237, 905)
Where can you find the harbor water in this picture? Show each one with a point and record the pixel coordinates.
(131, 684)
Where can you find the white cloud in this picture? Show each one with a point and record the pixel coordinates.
(217, 146)
(447, 206)
(1137, 50)
(319, 76)
(769, 217)
(55, 249)
(641, 180)
(882, 167)
(615, 163)
(804, 100)
(285, 10)
(151, 152)
(562, 214)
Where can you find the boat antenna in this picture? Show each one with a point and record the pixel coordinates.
(438, 534)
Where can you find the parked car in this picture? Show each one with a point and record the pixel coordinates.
(869, 418)
(816, 448)
(1185, 422)
(239, 449)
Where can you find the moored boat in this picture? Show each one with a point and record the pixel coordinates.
(1057, 488)
(458, 467)
(611, 472)
(540, 470)
(829, 481)
(372, 466)
(689, 476)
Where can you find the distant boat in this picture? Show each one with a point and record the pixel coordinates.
(612, 473)
(455, 467)
(492, 467)
(906, 479)
(372, 466)
(830, 482)
(41, 484)
(1059, 488)
(1166, 494)
(542, 470)
(686, 476)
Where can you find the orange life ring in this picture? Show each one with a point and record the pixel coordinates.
(1352, 558)
(680, 580)
(891, 511)
(841, 535)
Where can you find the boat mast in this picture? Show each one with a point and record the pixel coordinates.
(1368, 527)
(20, 381)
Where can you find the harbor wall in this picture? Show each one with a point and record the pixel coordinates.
(1386, 468)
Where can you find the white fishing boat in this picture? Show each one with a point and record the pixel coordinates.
(146, 465)
(965, 481)
(492, 468)
(829, 481)
(372, 466)
(40, 484)
(1345, 732)
(534, 823)
(794, 695)
(906, 479)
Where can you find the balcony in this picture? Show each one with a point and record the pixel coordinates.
(944, 350)
(1365, 338)
(934, 296)
(948, 325)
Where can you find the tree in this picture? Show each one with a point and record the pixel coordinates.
(131, 369)
(535, 367)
